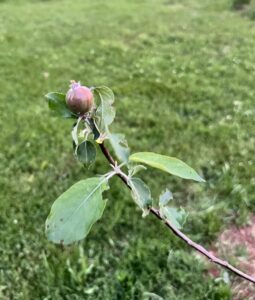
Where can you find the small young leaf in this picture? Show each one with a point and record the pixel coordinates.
(105, 112)
(141, 194)
(94, 129)
(165, 198)
(168, 164)
(57, 103)
(135, 169)
(176, 217)
(120, 146)
(86, 152)
(76, 210)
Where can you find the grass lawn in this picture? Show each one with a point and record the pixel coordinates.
(183, 75)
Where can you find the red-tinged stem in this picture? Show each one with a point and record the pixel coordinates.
(180, 234)
(201, 249)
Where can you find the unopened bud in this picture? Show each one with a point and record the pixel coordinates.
(79, 99)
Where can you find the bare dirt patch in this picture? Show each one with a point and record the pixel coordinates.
(237, 245)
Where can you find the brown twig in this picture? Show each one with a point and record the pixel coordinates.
(180, 234)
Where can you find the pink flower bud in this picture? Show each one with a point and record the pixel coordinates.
(79, 99)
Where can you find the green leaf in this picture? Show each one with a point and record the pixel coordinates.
(176, 217)
(57, 103)
(120, 146)
(141, 194)
(76, 210)
(135, 169)
(105, 112)
(168, 164)
(165, 198)
(94, 129)
(86, 152)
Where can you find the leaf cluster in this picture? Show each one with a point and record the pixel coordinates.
(76, 210)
